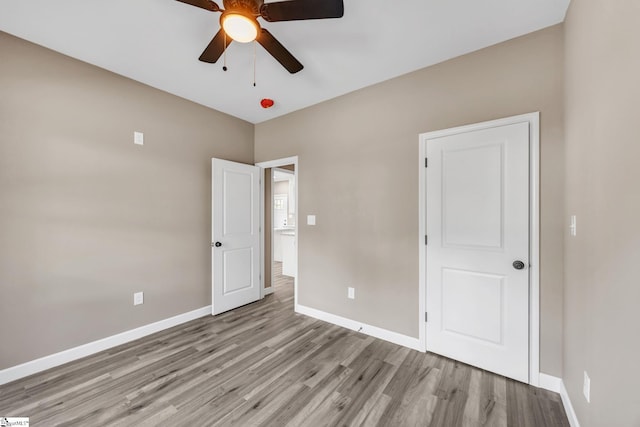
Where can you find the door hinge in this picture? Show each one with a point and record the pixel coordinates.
(426, 162)
(425, 316)
(425, 239)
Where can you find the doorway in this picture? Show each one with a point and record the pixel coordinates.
(283, 227)
(479, 245)
(280, 224)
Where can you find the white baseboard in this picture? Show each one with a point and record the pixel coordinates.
(555, 384)
(568, 407)
(57, 359)
(373, 331)
(268, 290)
(549, 382)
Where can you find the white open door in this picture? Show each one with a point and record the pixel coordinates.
(235, 235)
(477, 254)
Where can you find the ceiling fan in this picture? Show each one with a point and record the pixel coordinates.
(239, 22)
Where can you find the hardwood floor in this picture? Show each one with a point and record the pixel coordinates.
(263, 365)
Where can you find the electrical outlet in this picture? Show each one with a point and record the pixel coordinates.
(138, 298)
(138, 138)
(586, 387)
(351, 293)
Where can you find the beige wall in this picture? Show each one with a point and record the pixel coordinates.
(358, 172)
(86, 217)
(602, 285)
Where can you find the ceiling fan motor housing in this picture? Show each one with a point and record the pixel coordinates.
(248, 6)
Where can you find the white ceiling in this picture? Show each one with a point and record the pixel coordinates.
(158, 42)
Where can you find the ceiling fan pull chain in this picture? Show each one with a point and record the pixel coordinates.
(254, 63)
(224, 65)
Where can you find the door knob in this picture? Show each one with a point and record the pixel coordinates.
(518, 265)
(217, 244)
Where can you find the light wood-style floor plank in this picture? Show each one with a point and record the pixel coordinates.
(264, 365)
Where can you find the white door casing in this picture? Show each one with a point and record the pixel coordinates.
(235, 235)
(477, 222)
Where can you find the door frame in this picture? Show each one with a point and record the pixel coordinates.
(275, 164)
(534, 228)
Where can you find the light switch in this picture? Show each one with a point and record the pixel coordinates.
(573, 225)
(311, 220)
(138, 138)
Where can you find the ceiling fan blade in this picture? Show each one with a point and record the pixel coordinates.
(296, 10)
(279, 52)
(204, 4)
(216, 47)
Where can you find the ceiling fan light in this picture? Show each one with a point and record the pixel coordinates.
(239, 27)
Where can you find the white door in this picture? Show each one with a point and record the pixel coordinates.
(478, 230)
(235, 235)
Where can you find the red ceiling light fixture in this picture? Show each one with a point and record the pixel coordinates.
(266, 103)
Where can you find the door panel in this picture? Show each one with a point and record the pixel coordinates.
(478, 224)
(238, 203)
(237, 276)
(472, 197)
(235, 227)
(471, 295)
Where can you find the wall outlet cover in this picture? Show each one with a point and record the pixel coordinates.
(351, 293)
(573, 225)
(311, 220)
(586, 387)
(138, 138)
(138, 298)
